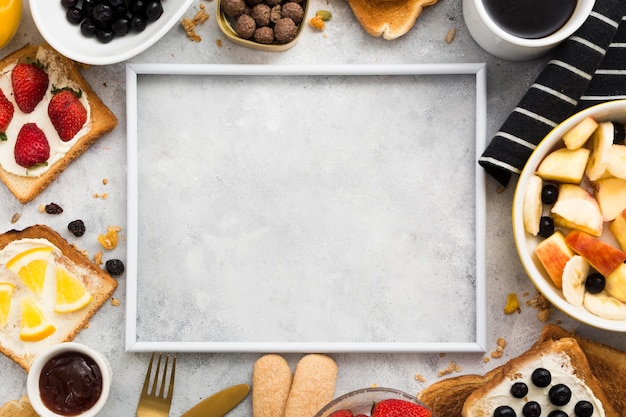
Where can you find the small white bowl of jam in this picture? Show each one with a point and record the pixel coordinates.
(69, 379)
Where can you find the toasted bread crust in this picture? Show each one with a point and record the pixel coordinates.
(600, 366)
(100, 284)
(388, 18)
(18, 408)
(102, 121)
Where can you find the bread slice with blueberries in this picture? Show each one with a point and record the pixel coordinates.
(554, 377)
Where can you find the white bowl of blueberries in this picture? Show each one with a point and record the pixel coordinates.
(102, 32)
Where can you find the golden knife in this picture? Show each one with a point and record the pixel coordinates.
(218, 404)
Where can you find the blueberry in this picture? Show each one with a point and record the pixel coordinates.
(114, 267)
(105, 35)
(546, 226)
(531, 409)
(137, 7)
(583, 409)
(88, 28)
(153, 11)
(560, 394)
(558, 413)
(541, 377)
(549, 194)
(138, 23)
(519, 390)
(77, 227)
(595, 283)
(102, 12)
(69, 3)
(74, 15)
(504, 411)
(121, 26)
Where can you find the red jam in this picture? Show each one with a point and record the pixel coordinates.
(70, 383)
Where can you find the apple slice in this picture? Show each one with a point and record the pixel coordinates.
(579, 134)
(617, 161)
(611, 196)
(605, 306)
(600, 143)
(574, 277)
(618, 228)
(616, 283)
(532, 208)
(576, 208)
(603, 257)
(564, 165)
(553, 253)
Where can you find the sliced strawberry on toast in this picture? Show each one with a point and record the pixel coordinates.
(6, 114)
(66, 112)
(31, 147)
(30, 83)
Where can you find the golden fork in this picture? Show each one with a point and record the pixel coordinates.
(152, 404)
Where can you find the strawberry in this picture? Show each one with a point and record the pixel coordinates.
(30, 83)
(341, 413)
(67, 113)
(399, 408)
(31, 146)
(6, 114)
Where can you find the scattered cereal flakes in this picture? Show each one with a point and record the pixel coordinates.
(109, 239)
(420, 378)
(97, 258)
(15, 218)
(317, 23)
(450, 35)
(42, 208)
(96, 195)
(218, 42)
(501, 344)
(442, 354)
(512, 304)
(115, 302)
(452, 367)
(105, 196)
(486, 359)
(105, 181)
(542, 305)
(189, 25)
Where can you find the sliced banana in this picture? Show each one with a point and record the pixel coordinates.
(605, 306)
(601, 142)
(574, 276)
(532, 208)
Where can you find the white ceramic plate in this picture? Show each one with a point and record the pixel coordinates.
(611, 111)
(49, 16)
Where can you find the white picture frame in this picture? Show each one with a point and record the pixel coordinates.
(135, 73)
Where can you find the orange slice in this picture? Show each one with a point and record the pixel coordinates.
(30, 265)
(6, 291)
(34, 326)
(71, 293)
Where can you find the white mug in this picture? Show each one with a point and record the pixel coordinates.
(497, 41)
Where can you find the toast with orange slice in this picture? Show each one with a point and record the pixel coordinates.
(48, 291)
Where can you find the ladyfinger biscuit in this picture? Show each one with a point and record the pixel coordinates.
(271, 382)
(313, 386)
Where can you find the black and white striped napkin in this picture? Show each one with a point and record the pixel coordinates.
(588, 68)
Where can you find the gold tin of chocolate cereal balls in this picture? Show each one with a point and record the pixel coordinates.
(265, 25)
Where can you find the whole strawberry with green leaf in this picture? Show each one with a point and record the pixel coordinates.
(31, 147)
(66, 112)
(6, 115)
(399, 408)
(30, 83)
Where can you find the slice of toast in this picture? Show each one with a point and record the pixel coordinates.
(18, 408)
(447, 397)
(27, 184)
(98, 283)
(388, 18)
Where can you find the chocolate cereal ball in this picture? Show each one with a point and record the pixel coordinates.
(264, 35)
(276, 14)
(273, 2)
(261, 14)
(233, 8)
(293, 11)
(285, 30)
(245, 26)
(252, 3)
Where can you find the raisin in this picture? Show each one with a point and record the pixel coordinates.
(53, 208)
(114, 267)
(77, 227)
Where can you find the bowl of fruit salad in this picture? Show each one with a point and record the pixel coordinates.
(375, 402)
(102, 32)
(569, 216)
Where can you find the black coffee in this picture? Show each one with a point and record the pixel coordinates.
(530, 19)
